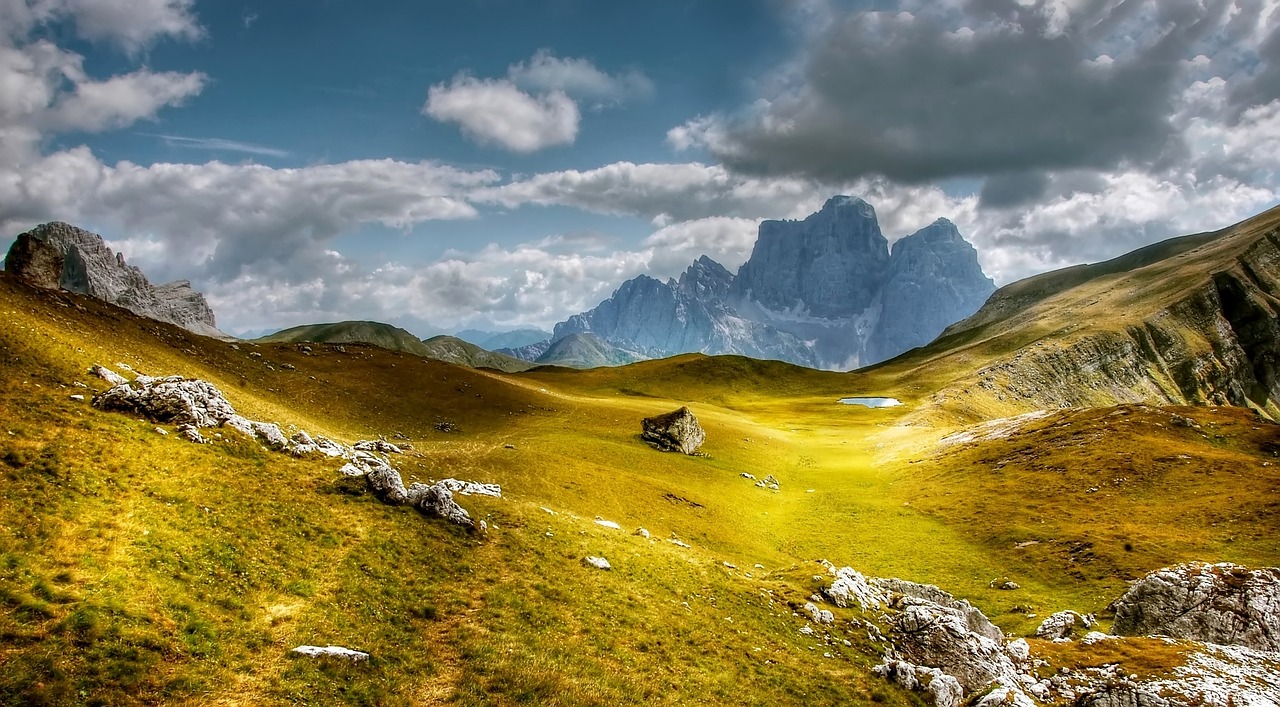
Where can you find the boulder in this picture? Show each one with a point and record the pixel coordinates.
(1220, 603)
(386, 484)
(437, 501)
(1005, 696)
(376, 445)
(769, 482)
(472, 488)
(975, 620)
(850, 587)
(819, 615)
(944, 690)
(34, 262)
(597, 562)
(1062, 625)
(170, 399)
(192, 434)
(927, 633)
(108, 375)
(676, 431)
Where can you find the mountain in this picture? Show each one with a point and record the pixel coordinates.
(355, 332)
(528, 352)
(1192, 320)
(58, 255)
(494, 340)
(824, 292)
(465, 353)
(586, 351)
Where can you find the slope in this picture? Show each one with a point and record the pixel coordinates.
(463, 353)
(375, 333)
(585, 351)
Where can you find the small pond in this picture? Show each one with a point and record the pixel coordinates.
(872, 402)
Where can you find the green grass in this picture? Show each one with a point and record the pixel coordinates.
(136, 568)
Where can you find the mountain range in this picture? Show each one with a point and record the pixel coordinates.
(824, 292)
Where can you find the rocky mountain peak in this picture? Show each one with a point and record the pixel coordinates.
(706, 278)
(59, 255)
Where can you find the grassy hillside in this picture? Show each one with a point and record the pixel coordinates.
(585, 351)
(139, 568)
(375, 333)
(463, 353)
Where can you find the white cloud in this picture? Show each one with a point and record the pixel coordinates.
(496, 112)
(130, 24)
(122, 100)
(578, 78)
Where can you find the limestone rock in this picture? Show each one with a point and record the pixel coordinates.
(386, 484)
(170, 399)
(472, 488)
(108, 375)
(86, 265)
(192, 434)
(975, 620)
(1222, 603)
(597, 562)
(676, 431)
(927, 633)
(376, 445)
(850, 587)
(819, 615)
(769, 482)
(1062, 625)
(1005, 696)
(332, 652)
(437, 501)
(34, 262)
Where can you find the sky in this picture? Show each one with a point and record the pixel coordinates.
(497, 164)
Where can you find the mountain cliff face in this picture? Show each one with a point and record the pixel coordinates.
(825, 292)
(60, 255)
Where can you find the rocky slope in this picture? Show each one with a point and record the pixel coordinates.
(823, 292)
(58, 255)
(1190, 321)
(465, 353)
(586, 351)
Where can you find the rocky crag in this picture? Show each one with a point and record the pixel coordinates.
(57, 255)
(825, 292)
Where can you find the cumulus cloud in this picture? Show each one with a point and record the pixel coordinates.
(977, 88)
(496, 112)
(535, 106)
(130, 24)
(94, 106)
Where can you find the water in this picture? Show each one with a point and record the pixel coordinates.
(872, 402)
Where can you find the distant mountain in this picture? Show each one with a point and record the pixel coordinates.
(375, 333)
(586, 351)
(529, 352)
(494, 340)
(465, 353)
(824, 292)
(57, 255)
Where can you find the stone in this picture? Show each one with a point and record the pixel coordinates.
(597, 562)
(642, 533)
(676, 431)
(1005, 696)
(749, 477)
(944, 690)
(927, 633)
(352, 470)
(386, 484)
(769, 482)
(108, 375)
(162, 431)
(192, 434)
(819, 615)
(1216, 603)
(87, 266)
(34, 262)
(437, 501)
(607, 524)
(169, 399)
(472, 488)
(332, 652)
(1063, 624)
(851, 587)
(77, 397)
(376, 445)
(975, 620)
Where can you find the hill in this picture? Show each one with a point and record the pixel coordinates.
(585, 351)
(463, 353)
(355, 332)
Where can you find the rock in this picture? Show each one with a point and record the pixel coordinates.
(927, 633)
(1005, 696)
(332, 652)
(597, 562)
(976, 621)
(1019, 650)
(437, 501)
(769, 482)
(1223, 603)
(446, 427)
(819, 615)
(162, 431)
(850, 587)
(642, 533)
(35, 262)
(386, 484)
(192, 434)
(108, 375)
(85, 264)
(471, 488)
(352, 470)
(376, 445)
(944, 690)
(170, 399)
(745, 475)
(78, 398)
(676, 431)
(1062, 625)
(607, 524)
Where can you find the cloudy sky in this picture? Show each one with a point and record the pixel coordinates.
(499, 163)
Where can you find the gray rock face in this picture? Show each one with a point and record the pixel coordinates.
(823, 292)
(927, 633)
(86, 265)
(172, 399)
(34, 262)
(1224, 603)
(676, 431)
(1062, 625)
(437, 501)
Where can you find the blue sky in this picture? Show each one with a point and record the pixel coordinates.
(496, 164)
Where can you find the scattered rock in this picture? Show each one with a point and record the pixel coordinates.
(745, 475)
(77, 398)
(386, 484)
(1180, 421)
(332, 652)
(437, 501)
(769, 482)
(288, 367)
(676, 431)
(471, 488)
(597, 562)
(850, 587)
(607, 523)
(1222, 603)
(642, 533)
(170, 399)
(944, 690)
(352, 470)
(1006, 696)
(1004, 584)
(376, 445)
(162, 431)
(191, 433)
(446, 427)
(108, 375)
(819, 615)
(927, 633)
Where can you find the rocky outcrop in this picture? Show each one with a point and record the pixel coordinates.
(1063, 624)
(83, 263)
(676, 431)
(332, 652)
(823, 292)
(1223, 603)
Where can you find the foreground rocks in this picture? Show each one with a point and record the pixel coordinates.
(676, 431)
(332, 652)
(1225, 604)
